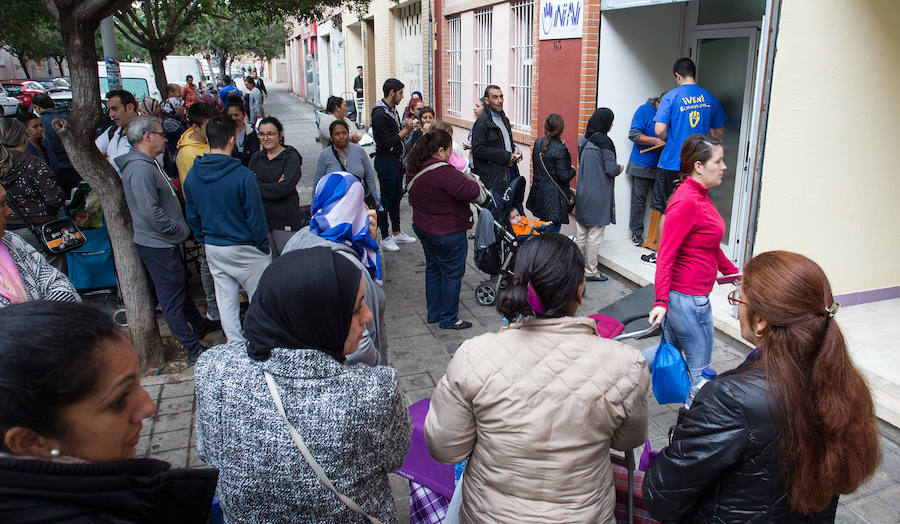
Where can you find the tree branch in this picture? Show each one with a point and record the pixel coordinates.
(89, 11)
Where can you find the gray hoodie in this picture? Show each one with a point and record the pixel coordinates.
(155, 209)
(373, 346)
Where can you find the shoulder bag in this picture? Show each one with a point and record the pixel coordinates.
(323, 478)
(56, 236)
(368, 198)
(570, 199)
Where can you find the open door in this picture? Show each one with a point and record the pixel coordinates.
(726, 63)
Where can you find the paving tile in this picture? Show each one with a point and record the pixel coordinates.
(143, 446)
(194, 460)
(845, 515)
(176, 457)
(178, 389)
(147, 425)
(407, 366)
(170, 440)
(873, 509)
(437, 366)
(153, 391)
(417, 381)
(891, 495)
(175, 421)
(172, 405)
(418, 394)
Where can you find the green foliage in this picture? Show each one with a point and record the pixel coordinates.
(232, 37)
(23, 25)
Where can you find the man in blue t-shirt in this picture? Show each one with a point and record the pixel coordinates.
(686, 110)
(642, 166)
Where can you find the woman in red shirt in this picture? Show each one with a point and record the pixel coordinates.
(690, 255)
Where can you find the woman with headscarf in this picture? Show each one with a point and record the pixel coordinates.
(595, 203)
(307, 316)
(340, 221)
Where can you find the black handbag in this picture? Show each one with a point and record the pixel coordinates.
(570, 198)
(369, 199)
(56, 236)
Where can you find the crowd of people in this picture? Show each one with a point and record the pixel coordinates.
(300, 416)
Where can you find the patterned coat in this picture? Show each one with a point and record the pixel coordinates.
(352, 418)
(40, 280)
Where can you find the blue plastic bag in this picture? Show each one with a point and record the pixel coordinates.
(670, 378)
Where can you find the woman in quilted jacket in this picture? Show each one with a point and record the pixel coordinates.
(537, 407)
(780, 437)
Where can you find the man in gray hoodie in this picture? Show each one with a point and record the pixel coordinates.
(159, 229)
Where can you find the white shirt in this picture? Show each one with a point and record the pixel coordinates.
(114, 146)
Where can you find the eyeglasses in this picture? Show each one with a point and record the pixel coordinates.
(160, 133)
(734, 298)
(267, 135)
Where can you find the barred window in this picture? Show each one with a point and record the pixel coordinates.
(483, 50)
(454, 55)
(522, 47)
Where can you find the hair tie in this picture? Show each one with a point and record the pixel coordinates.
(534, 300)
(832, 310)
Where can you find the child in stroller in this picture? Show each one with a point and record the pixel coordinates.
(497, 237)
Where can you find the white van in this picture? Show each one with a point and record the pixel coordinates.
(136, 78)
(179, 67)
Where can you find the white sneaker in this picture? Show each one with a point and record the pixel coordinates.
(403, 238)
(388, 244)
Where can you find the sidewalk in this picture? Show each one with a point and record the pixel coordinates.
(420, 352)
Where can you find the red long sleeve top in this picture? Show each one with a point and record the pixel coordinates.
(690, 254)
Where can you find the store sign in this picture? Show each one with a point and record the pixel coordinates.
(561, 19)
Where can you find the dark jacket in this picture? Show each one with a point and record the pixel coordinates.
(56, 153)
(440, 199)
(549, 196)
(251, 145)
(277, 180)
(33, 189)
(135, 490)
(722, 465)
(385, 131)
(155, 208)
(489, 154)
(223, 205)
(595, 201)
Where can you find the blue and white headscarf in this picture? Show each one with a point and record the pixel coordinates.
(339, 215)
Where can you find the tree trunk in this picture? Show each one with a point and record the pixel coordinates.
(222, 66)
(156, 60)
(23, 60)
(59, 64)
(77, 133)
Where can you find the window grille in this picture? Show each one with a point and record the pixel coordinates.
(522, 48)
(454, 55)
(483, 50)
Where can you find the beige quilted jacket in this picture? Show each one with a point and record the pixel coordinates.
(538, 406)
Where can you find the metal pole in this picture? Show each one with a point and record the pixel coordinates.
(110, 53)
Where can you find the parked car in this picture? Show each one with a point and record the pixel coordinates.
(23, 90)
(9, 105)
(51, 85)
(136, 77)
(62, 100)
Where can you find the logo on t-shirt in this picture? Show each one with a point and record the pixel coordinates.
(695, 118)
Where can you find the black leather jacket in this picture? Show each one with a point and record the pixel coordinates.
(722, 465)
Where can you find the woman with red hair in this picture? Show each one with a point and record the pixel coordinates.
(780, 437)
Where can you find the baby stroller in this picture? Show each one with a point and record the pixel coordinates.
(495, 243)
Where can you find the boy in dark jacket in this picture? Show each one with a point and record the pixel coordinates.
(388, 133)
(225, 211)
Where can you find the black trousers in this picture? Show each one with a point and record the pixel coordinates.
(662, 189)
(640, 186)
(169, 277)
(390, 179)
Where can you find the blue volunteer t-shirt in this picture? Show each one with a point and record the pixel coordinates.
(643, 121)
(686, 110)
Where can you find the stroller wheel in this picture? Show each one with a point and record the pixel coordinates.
(486, 294)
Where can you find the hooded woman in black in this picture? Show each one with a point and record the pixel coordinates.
(595, 202)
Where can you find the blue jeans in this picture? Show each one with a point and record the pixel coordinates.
(689, 327)
(445, 265)
(554, 228)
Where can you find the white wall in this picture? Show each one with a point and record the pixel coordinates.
(637, 49)
(829, 181)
